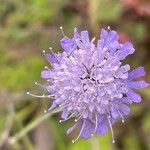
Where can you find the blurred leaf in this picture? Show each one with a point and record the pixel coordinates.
(20, 76)
(81, 144)
(94, 143)
(131, 142)
(109, 10)
(136, 30)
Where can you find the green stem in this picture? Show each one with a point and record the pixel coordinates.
(31, 126)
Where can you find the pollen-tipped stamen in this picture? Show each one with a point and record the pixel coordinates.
(36, 83)
(73, 141)
(62, 31)
(67, 118)
(122, 118)
(112, 133)
(40, 96)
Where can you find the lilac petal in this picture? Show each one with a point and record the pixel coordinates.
(112, 37)
(134, 96)
(124, 109)
(64, 114)
(46, 74)
(114, 112)
(88, 129)
(103, 126)
(138, 72)
(67, 44)
(103, 34)
(51, 58)
(124, 100)
(85, 37)
(125, 50)
(103, 38)
(138, 84)
(76, 34)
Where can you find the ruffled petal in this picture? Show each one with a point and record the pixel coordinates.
(46, 74)
(125, 50)
(85, 37)
(134, 96)
(67, 44)
(138, 72)
(51, 58)
(103, 126)
(112, 37)
(138, 84)
(124, 109)
(88, 129)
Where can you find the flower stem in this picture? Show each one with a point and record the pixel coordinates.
(31, 126)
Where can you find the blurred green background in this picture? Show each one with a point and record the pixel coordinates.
(29, 26)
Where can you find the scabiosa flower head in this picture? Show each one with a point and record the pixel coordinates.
(89, 82)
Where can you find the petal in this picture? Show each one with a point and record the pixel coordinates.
(103, 126)
(88, 129)
(103, 34)
(46, 74)
(67, 44)
(112, 37)
(114, 112)
(134, 96)
(138, 84)
(51, 58)
(124, 100)
(103, 37)
(85, 37)
(124, 109)
(64, 114)
(76, 34)
(125, 50)
(138, 72)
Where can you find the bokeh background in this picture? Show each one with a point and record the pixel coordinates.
(27, 27)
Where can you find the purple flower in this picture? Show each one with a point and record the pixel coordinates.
(89, 82)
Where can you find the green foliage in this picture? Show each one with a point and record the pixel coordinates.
(109, 10)
(25, 73)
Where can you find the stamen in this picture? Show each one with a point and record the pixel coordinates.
(45, 111)
(36, 83)
(51, 50)
(108, 28)
(40, 96)
(112, 133)
(93, 40)
(121, 116)
(108, 112)
(62, 31)
(67, 118)
(79, 117)
(73, 141)
(96, 122)
(46, 67)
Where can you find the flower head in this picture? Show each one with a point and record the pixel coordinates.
(89, 82)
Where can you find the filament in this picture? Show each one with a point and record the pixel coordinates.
(73, 141)
(96, 122)
(112, 133)
(121, 116)
(62, 31)
(40, 96)
(67, 118)
(36, 83)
